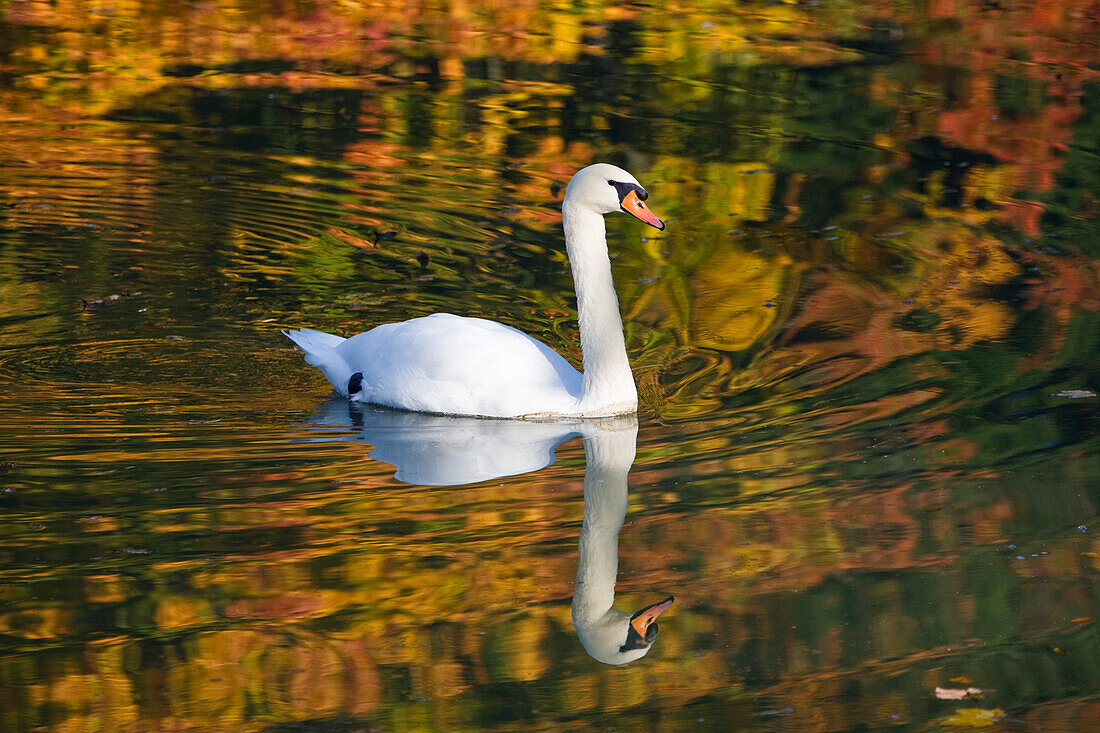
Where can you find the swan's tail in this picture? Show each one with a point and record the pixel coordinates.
(320, 351)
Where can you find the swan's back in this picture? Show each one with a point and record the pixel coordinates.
(460, 366)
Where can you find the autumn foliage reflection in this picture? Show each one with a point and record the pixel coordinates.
(850, 345)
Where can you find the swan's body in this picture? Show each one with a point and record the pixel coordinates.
(452, 366)
(470, 366)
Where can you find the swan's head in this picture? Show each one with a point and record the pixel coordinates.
(605, 188)
(616, 638)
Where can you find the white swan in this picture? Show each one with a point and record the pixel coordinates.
(453, 365)
(608, 635)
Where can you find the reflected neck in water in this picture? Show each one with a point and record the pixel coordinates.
(605, 633)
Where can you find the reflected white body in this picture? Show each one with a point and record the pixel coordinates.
(452, 365)
(441, 450)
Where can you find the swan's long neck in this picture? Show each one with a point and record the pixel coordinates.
(608, 381)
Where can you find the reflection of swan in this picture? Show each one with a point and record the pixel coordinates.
(608, 635)
(469, 366)
(438, 450)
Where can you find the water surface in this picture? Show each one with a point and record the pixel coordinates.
(867, 459)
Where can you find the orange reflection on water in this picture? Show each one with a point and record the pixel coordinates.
(854, 470)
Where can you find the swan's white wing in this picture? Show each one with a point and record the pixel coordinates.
(461, 366)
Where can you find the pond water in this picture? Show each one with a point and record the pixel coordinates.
(867, 459)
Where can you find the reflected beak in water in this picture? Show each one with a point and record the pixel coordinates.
(642, 619)
(631, 204)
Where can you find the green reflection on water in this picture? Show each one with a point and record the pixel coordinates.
(867, 461)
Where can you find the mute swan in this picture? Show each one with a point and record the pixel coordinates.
(452, 365)
(608, 635)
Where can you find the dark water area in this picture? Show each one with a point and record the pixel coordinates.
(866, 462)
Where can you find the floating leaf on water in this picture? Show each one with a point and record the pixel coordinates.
(958, 693)
(1082, 620)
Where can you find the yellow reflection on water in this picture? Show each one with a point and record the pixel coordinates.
(855, 471)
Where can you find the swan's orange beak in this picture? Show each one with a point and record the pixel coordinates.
(649, 614)
(634, 206)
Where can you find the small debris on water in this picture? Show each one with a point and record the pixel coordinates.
(952, 693)
(780, 711)
(108, 300)
(1075, 394)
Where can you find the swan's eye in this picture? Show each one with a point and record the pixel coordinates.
(624, 190)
